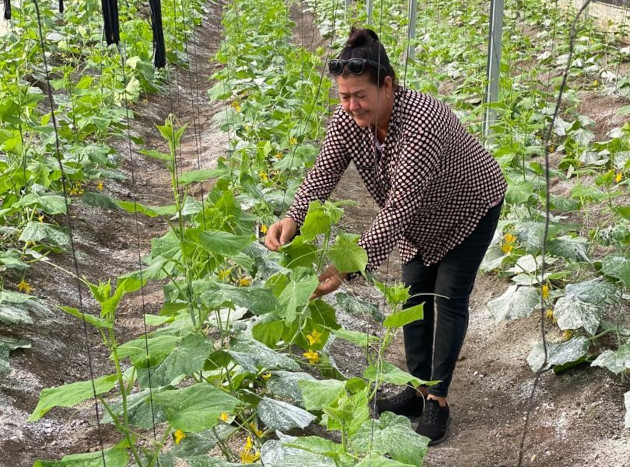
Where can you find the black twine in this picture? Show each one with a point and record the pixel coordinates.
(159, 49)
(60, 6)
(111, 27)
(7, 9)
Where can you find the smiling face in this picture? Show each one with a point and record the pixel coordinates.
(367, 103)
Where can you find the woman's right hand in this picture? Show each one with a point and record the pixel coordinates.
(280, 233)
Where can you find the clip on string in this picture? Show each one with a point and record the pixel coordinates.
(7, 9)
(110, 17)
(159, 50)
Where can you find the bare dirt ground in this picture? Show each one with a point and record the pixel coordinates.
(577, 416)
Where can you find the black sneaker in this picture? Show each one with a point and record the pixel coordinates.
(407, 402)
(434, 422)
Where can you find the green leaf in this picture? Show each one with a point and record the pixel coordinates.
(391, 434)
(254, 356)
(392, 374)
(214, 294)
(114, 457)
(319, 219)
(558, 354)
(618, 266)
(99, 200)
(530, 234)
(356, 306)
(360, 339)
(316, 445)
(195, 408)
(583, 304)
(399, 319)
(220, 91)
(277, 454)
(41, 232)
(279, 415)
(14, 313)
(224, 243)
(159, 347)
(299, 253)
(188, 357)
(70, 395)
(297, 294)
(372, 460)
(93, 320)
(285, 385)
(195, 176)
(198, 444)
(571, 248)
(616, 361)
(517, 302)
(140, 411)
(395, 295)
(7, 344)
(49, 203)
(347, 255)
(151, 211)
(321, 393)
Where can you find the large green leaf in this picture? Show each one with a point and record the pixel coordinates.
(93, 320)
(347, 255)
(530, 234)
(197, 444)
(297, 294)
(571, 248)
(41, 232)
(557, 354)
(360, 339)
(70, 395)
(159, 347)
(47, 202)
(214, 294)
(282, 416)
(319, 219)
(186, 178)
(316, 445)
(356, 306)
(391, 434)
(618, 266)
(374, 460)
(321, 393)
(150, 211)
(277, 454)
(616, 361)
(583, 303)
(391, 374)
(99, 200)
(285, 385)
(254, 356)
(224, 243)
(14, 313)
(299, 253)
(516, 302)
(404, 317)
(141, 412)
(188, 357)
(195, 408)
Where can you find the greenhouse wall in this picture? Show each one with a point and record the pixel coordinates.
(611, 15)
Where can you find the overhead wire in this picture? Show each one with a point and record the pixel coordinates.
(545, 238)
(75, 262)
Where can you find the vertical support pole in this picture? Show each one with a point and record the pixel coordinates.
(413, 15)
(369, 5)
(494, 62)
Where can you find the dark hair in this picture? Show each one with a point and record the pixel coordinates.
(364, 43)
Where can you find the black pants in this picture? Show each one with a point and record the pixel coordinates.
(433, 356)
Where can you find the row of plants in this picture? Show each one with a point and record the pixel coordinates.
(587, 258)
(45, 168)
(239, 362)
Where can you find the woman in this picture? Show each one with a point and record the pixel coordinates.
(439, 194)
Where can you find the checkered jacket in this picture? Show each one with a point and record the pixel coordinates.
(432, 180)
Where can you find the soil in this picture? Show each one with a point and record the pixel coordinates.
(576, 419)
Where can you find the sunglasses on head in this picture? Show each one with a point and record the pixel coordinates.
(356, 66)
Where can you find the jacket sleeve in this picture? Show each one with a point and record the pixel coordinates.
(330, 165)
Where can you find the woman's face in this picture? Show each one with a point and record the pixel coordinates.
(367, 103)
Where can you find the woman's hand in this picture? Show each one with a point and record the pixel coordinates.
(280, 233)
(329, 281)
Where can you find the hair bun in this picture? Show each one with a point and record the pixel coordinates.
(359, 37)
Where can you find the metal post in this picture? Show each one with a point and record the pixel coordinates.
(494, 62)
(413, 13)
(369, 4)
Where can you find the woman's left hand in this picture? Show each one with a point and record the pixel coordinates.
(329, 281)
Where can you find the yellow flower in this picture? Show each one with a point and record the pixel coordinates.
(236, 106)
(25, 287)
(595, 83)
(263, 229)
(247, 456)
(255, 429)
(244, 282)
(508, 243)
(545, 291)
(263, 175)
(99, 185)
(179, 435)
(40, 218)
(279, 156)
(265, 376)
(311, 356)
(293, 141)
(568, 334)
(314, 337)
(618, 177)
(552, 148)
(224, 417)
(549, 314)
(224, 274)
